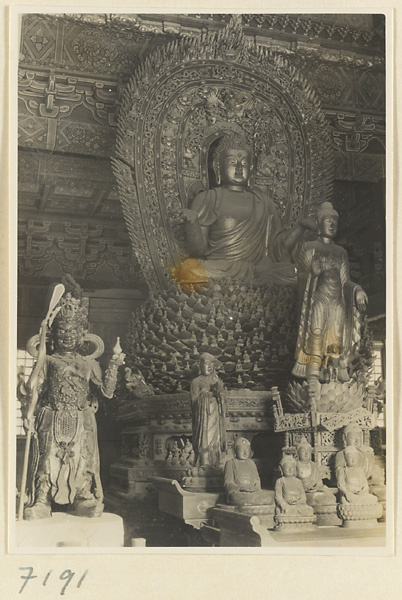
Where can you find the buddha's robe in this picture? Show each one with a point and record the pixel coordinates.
(242, 483)
(353, 486)
(372, 472)
(316, 491)
(246, 243)
(290, 497)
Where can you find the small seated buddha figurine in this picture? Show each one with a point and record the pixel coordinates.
(241, 480)
(309, 474)
(353, 436)
(352, 481)
(234, 230)
(290, 497)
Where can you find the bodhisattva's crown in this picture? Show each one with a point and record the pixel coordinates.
(72, 311)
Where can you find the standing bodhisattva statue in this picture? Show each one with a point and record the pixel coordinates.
(328, 329)
(61, 417)
(234, 231)
(208, 407)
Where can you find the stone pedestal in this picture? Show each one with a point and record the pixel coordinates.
(238, 529)
(360, 515)
(326, 515)
(265, 513)
(63, 530)
(294, 522)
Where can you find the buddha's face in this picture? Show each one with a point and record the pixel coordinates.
(304, 453)
(242, 451)
(352, 459)
(67, 337)
(206, 366)
(289, 469)
(329, 226)
(235, 166)
(353, 438)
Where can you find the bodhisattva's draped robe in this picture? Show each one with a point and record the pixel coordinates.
(328, 326)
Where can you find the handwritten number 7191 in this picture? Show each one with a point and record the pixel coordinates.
(67, 575)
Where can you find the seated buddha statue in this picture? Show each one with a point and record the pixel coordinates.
(241, 480)
(309, 474)
(233, 230)
(290, 497)
(352, 436)
(352, 481)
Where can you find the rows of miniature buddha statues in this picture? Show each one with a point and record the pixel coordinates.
(251, 331)
(300, 497)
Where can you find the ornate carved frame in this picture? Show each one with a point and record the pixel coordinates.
(180, 101)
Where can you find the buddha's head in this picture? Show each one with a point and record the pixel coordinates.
(304, 450)
(242, 448)
(352, 435)
(208, 363)
(233, 162)
(352, 456)
(288, 466)
(327, 219)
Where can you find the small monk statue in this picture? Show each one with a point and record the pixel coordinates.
(353, 436)
(290, 497)
(352, 481)
(309, 474)
(328, 324)
(241, 480)
(233, 230)
(208, 407)
(65, 466)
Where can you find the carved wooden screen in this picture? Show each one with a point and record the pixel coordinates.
(183, 98)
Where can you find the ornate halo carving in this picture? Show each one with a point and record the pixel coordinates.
(33, 343)
(180, 100)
